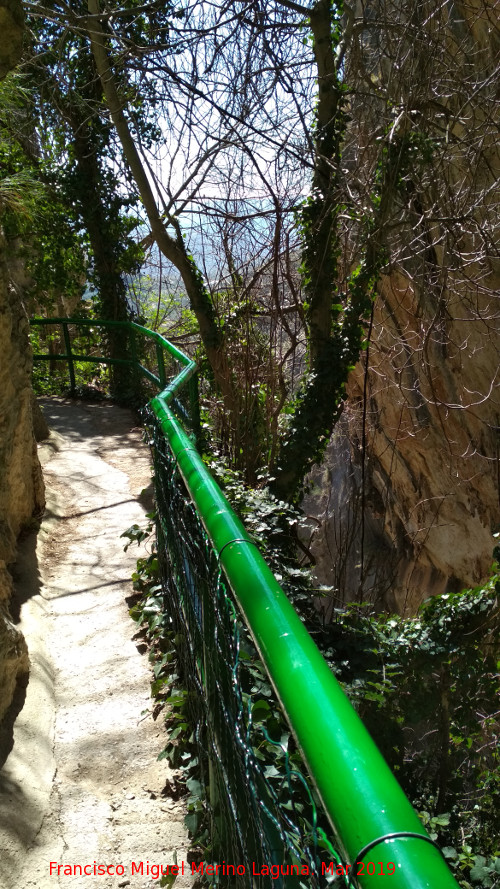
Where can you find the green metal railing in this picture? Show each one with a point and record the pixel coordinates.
(162, 347)
(372, 820)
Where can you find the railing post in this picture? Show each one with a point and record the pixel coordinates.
(194, 405)
(71, 366)
(135, 363)
(160, 358)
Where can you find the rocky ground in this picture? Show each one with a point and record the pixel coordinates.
(82, 786)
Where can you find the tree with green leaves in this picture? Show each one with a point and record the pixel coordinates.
(76, 147)
(41, 227)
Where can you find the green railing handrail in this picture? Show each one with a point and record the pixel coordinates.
(370, 815)
(70, 356)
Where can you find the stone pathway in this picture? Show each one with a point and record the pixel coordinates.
(82, 786)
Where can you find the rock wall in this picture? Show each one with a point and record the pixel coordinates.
(407, 501)
(410, 509)
(433, 423)
(21, 484)
(11, 29)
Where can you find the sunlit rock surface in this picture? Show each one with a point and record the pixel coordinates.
(21, 484)
(407, 501)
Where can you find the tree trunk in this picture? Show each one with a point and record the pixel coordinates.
(172, 248)
(317, 405)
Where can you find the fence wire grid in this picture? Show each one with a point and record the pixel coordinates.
(263, 814)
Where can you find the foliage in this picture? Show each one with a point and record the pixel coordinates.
(426, 687)
(264, 729)
(38, 218)
(79, 234)
(51, 376)
(271, 522)
(78, 143)
(19, 194)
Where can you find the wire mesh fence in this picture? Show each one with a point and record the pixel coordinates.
(265, 823)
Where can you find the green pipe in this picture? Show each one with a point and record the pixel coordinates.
(160, 360)
(131, 325)
(46, 356)
(91, 359)
(167, 345)
(71, 367)
(360, 795)
(83, 322)
(132, 351)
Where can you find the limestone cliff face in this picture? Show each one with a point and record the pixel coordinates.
(433, 444)
(21, 488)
(407, 501)
(410, 509)
(21, 485)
